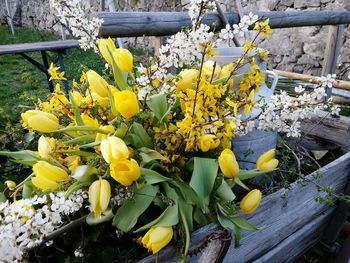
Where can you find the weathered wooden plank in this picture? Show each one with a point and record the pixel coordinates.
(333, 129)
(38, 46)
(281, 213)
(296, 244)
(133, 24)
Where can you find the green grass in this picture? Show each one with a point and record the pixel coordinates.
(21, 83)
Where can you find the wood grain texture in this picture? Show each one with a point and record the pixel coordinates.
(38, 46)
(133, 24)
(302, 240)
(282, 214)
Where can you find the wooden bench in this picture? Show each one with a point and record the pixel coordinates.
(59, 46)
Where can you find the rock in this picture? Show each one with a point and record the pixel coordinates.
(287, 2)
(306, 3)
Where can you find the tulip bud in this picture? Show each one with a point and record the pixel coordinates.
(97, 83)
(40, 121)
(208, 142)
(106, 47)
(186, 78)
(266, 162)
(72, 162)
(114, 149)
(101, 136)
(157, 237)
(126, 103)
(124, 59)
(125, 172)
(102, 101)
(99, 196)
(251, 201)
(88, 121)
(10, 184)
(47, 175)
(46, 146)
(228, 163)
(208, 69)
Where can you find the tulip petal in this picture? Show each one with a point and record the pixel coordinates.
(44, 184)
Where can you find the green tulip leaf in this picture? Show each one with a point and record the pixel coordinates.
(24, 157)
(77, 152)
(75, 187)
(225, 192)
(127, 215)
(153, 177)
(186, 192)
(200, 218)
(84, 129)
(138, 137)
(227, 223)
(76, 111)
(244, 224)
(244, 174)
(106, 216)
(240, 183)
(148, 155)
(203, 178)
(187, 211)
(84, 173)
(169, 217)
(158, 104)
(28, 189)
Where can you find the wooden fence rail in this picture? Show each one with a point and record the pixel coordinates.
(133, 24)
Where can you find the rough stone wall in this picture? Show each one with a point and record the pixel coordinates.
(293, 49)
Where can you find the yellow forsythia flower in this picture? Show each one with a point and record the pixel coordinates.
(40, 121)
(99, 196)
(251, 201)
(10, 184)
(124, 59)
(157, 237)
(46, 146)
(208, 69)
(264, 28)
(266, 162)
(208, 142)
(72, 162)
(226, 72)
(186, 78)
(47, 175)
(126, 103)
(97, 83)
(125, 172)
(106, 47)
(228, 163)
(114, 149)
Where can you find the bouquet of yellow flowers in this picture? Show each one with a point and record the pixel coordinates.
(145, 141)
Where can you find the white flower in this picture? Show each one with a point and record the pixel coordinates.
(299, 89)
(328, 80)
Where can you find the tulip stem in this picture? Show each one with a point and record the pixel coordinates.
(187, 234)
(20, 186)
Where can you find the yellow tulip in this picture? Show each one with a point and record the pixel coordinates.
(99, 196)
(106, 47)
(157, 237)
(10, 184)
(228, 163)
(47, 175)
(186, 78)
(126, 103)
(251, 201)
(97, 83)
(78, 98)
(88, 121)
(114, 149)
(40, 121)
(208, 69)
(125, 172)
(46, 146)
(101, 136)
(124, 59)
(266, 162)
(102, 101)
(208, 142)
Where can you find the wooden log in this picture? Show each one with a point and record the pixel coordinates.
(282, 214)
(299, 242)
(332, 129)
(345, 85)
(133, 24)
